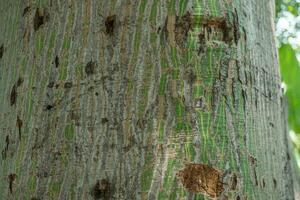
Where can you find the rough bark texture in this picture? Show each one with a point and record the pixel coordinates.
(115, 99)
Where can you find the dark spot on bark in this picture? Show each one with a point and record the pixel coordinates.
(34, 198)
(96, 93)
(190, 76)
(4, 151)
(182, 28)
(90, 68)
(158, 30)
(202, 43)
(104, 120)
(274, 182)
(245, 34)
(238, 197)
(164, 32)
(19, 125)
(255, 177)
(68, 85)
(41, 17)
(236, 25)
(11, 179)
(253, 160)
(20, 81)
(101, 190)
(50, 84)
(200, 103)
(13, 95)
(141, 123)
(110, 23)
(234, 182)
(263, 183)
(26, 10)
(56, 155)
(288, 156)
(202, 178)
(1, 50)
(56, 61)
(42, 174)
(49, 107)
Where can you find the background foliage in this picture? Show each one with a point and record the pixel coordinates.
(288, 36)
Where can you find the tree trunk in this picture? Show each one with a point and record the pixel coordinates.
(144, 99)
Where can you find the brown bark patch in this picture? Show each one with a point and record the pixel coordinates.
(110, 23)
(101, 190)
(202, 178)
(182, 27)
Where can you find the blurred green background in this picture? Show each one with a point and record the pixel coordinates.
(288, 41)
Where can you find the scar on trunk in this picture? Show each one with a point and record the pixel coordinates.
(201, 178)
(101, 189)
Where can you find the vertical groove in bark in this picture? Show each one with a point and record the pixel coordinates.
(128, 92)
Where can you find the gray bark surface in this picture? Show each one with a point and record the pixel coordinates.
(113, 99)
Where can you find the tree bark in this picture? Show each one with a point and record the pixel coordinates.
(149, 99)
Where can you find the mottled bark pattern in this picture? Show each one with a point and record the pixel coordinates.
(118, 95)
